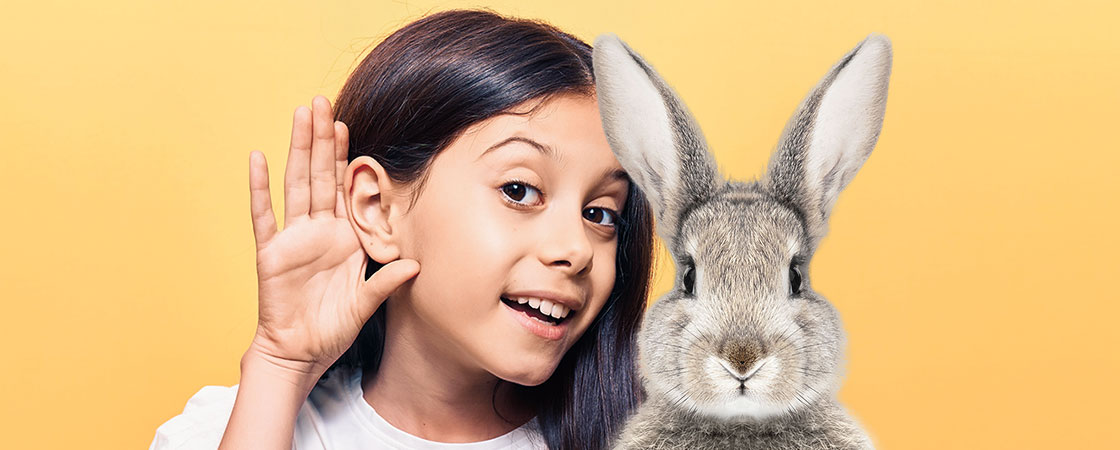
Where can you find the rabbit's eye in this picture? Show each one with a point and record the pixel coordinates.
(794, 279)
(689, 278)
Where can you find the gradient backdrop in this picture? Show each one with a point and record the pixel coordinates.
(973, 258)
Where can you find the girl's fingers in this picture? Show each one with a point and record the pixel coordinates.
(297, 188)
(341, 154)
(373, 292)
(323, 148)
(260, 200)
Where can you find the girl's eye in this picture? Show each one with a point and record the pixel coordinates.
(598, 214)
(525, 194)
(518, 191)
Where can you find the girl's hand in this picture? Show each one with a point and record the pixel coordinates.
(312, 296)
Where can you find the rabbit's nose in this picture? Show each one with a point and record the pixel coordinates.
(740, 358)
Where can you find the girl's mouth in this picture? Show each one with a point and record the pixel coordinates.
(533, 308)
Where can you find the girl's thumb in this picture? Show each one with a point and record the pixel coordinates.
(373, 292)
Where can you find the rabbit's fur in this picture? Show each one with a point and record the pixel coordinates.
(735, 356)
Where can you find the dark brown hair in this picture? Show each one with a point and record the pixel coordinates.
(411, 97)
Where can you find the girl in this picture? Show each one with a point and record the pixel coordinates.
(506, 258)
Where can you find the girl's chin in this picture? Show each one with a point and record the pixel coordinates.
(528, 375)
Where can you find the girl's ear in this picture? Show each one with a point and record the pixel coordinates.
(372, 199)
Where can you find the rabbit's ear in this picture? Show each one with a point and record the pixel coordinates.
(652, 134)
(832, 134)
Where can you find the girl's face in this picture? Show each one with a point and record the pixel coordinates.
(516, 222)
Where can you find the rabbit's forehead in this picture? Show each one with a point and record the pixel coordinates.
(738, 232)
(742, 247)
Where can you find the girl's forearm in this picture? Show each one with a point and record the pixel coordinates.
(268, 401)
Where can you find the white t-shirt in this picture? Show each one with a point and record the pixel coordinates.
(334, 417)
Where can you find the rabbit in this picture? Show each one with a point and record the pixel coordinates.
(741, 353)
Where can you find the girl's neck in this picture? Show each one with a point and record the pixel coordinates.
(425, 389)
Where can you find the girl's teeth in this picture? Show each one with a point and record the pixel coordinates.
(546, 307)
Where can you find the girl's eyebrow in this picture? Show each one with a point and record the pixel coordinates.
(611, 174)
(616, 174)
(544, 149)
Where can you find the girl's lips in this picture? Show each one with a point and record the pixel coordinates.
(537, 327)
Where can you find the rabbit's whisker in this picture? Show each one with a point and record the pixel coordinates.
(678, 401)
(803, 400)
(786, 338)
(818, 344)
(813, 389)
(666, 344)
(693, 334)
(676, 370)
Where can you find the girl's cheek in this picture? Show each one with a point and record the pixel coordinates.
(493, 231)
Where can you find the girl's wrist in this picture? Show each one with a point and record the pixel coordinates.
(259, 364)
(268, 401)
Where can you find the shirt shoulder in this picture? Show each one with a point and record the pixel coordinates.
(203, 422)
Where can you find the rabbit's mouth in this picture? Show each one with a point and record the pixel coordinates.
(555, 317)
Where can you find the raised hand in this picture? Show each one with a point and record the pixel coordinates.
(312, 296)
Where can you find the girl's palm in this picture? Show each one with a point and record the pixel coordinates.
(312, 296)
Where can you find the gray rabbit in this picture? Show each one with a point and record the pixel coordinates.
(742, 353)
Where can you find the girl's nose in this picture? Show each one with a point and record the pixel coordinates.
(565, 245)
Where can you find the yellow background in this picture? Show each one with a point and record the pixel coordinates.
(973, 259)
